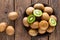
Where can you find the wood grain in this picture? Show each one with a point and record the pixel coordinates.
(6, 6)
(56, 5)
(40, 1)
(20, 32)
(19, 6)
(45, 37)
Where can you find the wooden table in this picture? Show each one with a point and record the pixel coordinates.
(7, 6)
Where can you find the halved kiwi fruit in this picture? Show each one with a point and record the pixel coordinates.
(37, 13)
(31, 18)
(52, 22)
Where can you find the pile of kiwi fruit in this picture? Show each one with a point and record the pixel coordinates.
(39, 19)
(4, 26)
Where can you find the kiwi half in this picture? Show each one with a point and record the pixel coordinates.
(52, 22)
(31, 18)
(37, 13)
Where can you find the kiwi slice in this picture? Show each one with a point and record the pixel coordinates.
(37, 12)
(52, 22)
(31, 18)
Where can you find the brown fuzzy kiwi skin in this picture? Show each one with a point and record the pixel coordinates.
(39, 6)
(32, 32)
(34, 25)
(53, 16)
(43, 25)
(45, 16)
(49, 10)
(3, 26)
(13, 15)
(41, 31)
(50, 29)
(25, 22)
(10, 30)
(29, 10)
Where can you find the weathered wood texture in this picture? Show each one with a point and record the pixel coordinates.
(56, 5)
(20, 32)
(6, 6)
(19, 6)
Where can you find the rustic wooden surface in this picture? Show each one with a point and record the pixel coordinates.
(19, 6)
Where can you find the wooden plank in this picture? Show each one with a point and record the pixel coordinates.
(40, 37)
(56, 5)
(41, 1)
(6, 6)
(20, 32)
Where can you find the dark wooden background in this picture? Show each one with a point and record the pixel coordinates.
(7, 6)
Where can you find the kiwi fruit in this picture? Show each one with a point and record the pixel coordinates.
(49, 10)
(3, 26)
(41, 31)
(13, 15)
(52, 22)
(50, 29)
(34, 25)
(32, 32)
(45, 16)
(31, 19)
(29, 10)
(37, 13)
(39, 6)
(43, 25)
(10, 30)
(25, 22)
